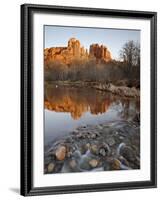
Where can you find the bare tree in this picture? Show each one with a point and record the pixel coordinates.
(130, 53)
(137, 54)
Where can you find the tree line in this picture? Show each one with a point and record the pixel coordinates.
(128, 68)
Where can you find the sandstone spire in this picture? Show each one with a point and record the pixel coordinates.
(75, 51)
(100, 52)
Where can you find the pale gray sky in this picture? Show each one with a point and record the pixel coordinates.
(114, 39)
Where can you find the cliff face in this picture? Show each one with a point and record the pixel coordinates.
(66, 55)
(74, 51)
(100, 52)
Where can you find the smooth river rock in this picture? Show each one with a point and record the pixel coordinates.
(103, 147)
(60, 153)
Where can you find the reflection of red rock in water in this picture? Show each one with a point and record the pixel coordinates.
(76, 103)
(67, 105)
(100, 108)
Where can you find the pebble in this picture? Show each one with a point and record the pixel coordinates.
(93, 163)
(116, 132)
(111, 141)
(124, 161)
(128, 153)
(79, 135)
(94, 149)
(60, 153)
(116, 164)
(107, 148)
(51, 167)
(93, 135)
(99, 127)
(88, 145)
(102, 152)
(75, 131)
(84, 163)
(121, 137)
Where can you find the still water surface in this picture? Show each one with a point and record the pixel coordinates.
(67, 108)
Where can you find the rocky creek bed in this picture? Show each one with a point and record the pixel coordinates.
(103, 147)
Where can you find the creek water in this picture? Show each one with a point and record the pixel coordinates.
(67, 108)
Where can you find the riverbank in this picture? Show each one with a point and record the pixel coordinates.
(103, 147)
(121, 90)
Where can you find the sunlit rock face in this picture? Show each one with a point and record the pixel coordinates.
(66, 55)
(75, 47)
(75, 51)
(100, 52)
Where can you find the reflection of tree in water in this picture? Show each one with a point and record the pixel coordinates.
(77, 101)
(129, 108)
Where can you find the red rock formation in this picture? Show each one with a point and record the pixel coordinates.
(66, 54)
(74, 51)
(100, 52)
